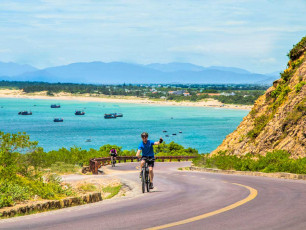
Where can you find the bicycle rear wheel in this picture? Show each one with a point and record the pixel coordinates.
(143, 180)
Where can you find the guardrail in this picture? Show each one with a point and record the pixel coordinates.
(96, 163)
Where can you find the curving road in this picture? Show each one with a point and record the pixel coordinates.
(214, 201)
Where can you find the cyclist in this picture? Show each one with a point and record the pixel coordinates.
(146, 147)
(113, 153)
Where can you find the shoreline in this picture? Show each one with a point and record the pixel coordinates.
(208, 103)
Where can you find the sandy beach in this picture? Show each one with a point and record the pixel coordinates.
(8, 93)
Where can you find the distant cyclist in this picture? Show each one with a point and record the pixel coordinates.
(146, 147)
(113, 153)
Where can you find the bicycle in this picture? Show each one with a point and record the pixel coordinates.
(113, 161)
(145, 179)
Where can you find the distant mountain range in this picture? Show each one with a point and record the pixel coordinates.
(120, 72)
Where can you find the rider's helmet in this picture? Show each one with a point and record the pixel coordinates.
(144, 134)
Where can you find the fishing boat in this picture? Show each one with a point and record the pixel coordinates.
(58, 119)
(174, 134)
(54, 106)
(88, 140)
(118, 114)
(164, 131)
(110, 116)
(25, 113)
(180, 132)
(79, 112)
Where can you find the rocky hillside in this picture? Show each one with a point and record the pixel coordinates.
(277, 119)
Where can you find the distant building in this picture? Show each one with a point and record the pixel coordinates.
(186, 94)
(178, 92)
(228, 94)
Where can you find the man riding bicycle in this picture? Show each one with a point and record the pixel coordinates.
(113, 153)
(146, 147)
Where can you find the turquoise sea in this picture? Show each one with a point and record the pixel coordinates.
(202, 128)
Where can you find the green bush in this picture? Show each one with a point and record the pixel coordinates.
(20, 178)
(276, 161)
(112, 190)
(87, 188)
(298, 49)
(299, 86)
(259, 124)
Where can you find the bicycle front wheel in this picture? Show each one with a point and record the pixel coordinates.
(143, 180)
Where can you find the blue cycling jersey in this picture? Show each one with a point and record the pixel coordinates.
(147, 149)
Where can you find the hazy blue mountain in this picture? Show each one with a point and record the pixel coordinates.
(275, 74)
(175, 66)
(119, 72)
(230, 69)
(97, 72)
(12, 69)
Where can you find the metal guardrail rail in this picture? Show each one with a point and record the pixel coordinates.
(96, 163)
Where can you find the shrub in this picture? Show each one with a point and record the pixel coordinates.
(275, 161)
(299, 86)
(298, 49)
(111, 191)
(259, 124)
(87, 187)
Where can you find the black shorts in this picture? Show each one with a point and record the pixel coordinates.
(113, 155)
(150, 162)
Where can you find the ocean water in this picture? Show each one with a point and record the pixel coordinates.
(202, 128)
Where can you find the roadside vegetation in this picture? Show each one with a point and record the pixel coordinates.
(28, 172)
(276, 161)
(19, 178)
(111, 191)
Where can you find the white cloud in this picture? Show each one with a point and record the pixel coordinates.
(267, 60)
(56, 31)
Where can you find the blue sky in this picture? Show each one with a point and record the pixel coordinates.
(251, 34)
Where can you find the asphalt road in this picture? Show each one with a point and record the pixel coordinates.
(180, 195)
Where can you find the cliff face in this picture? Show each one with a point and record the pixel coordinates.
(277, 119)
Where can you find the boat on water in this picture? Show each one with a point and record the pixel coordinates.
(174, 134)
(180, 132)
(54, 106)
(109, 116)
(58, 120)
(88, 140)
(167, 135)
(25, 113)
(164, 131)
(118, 114)
(79, 112)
